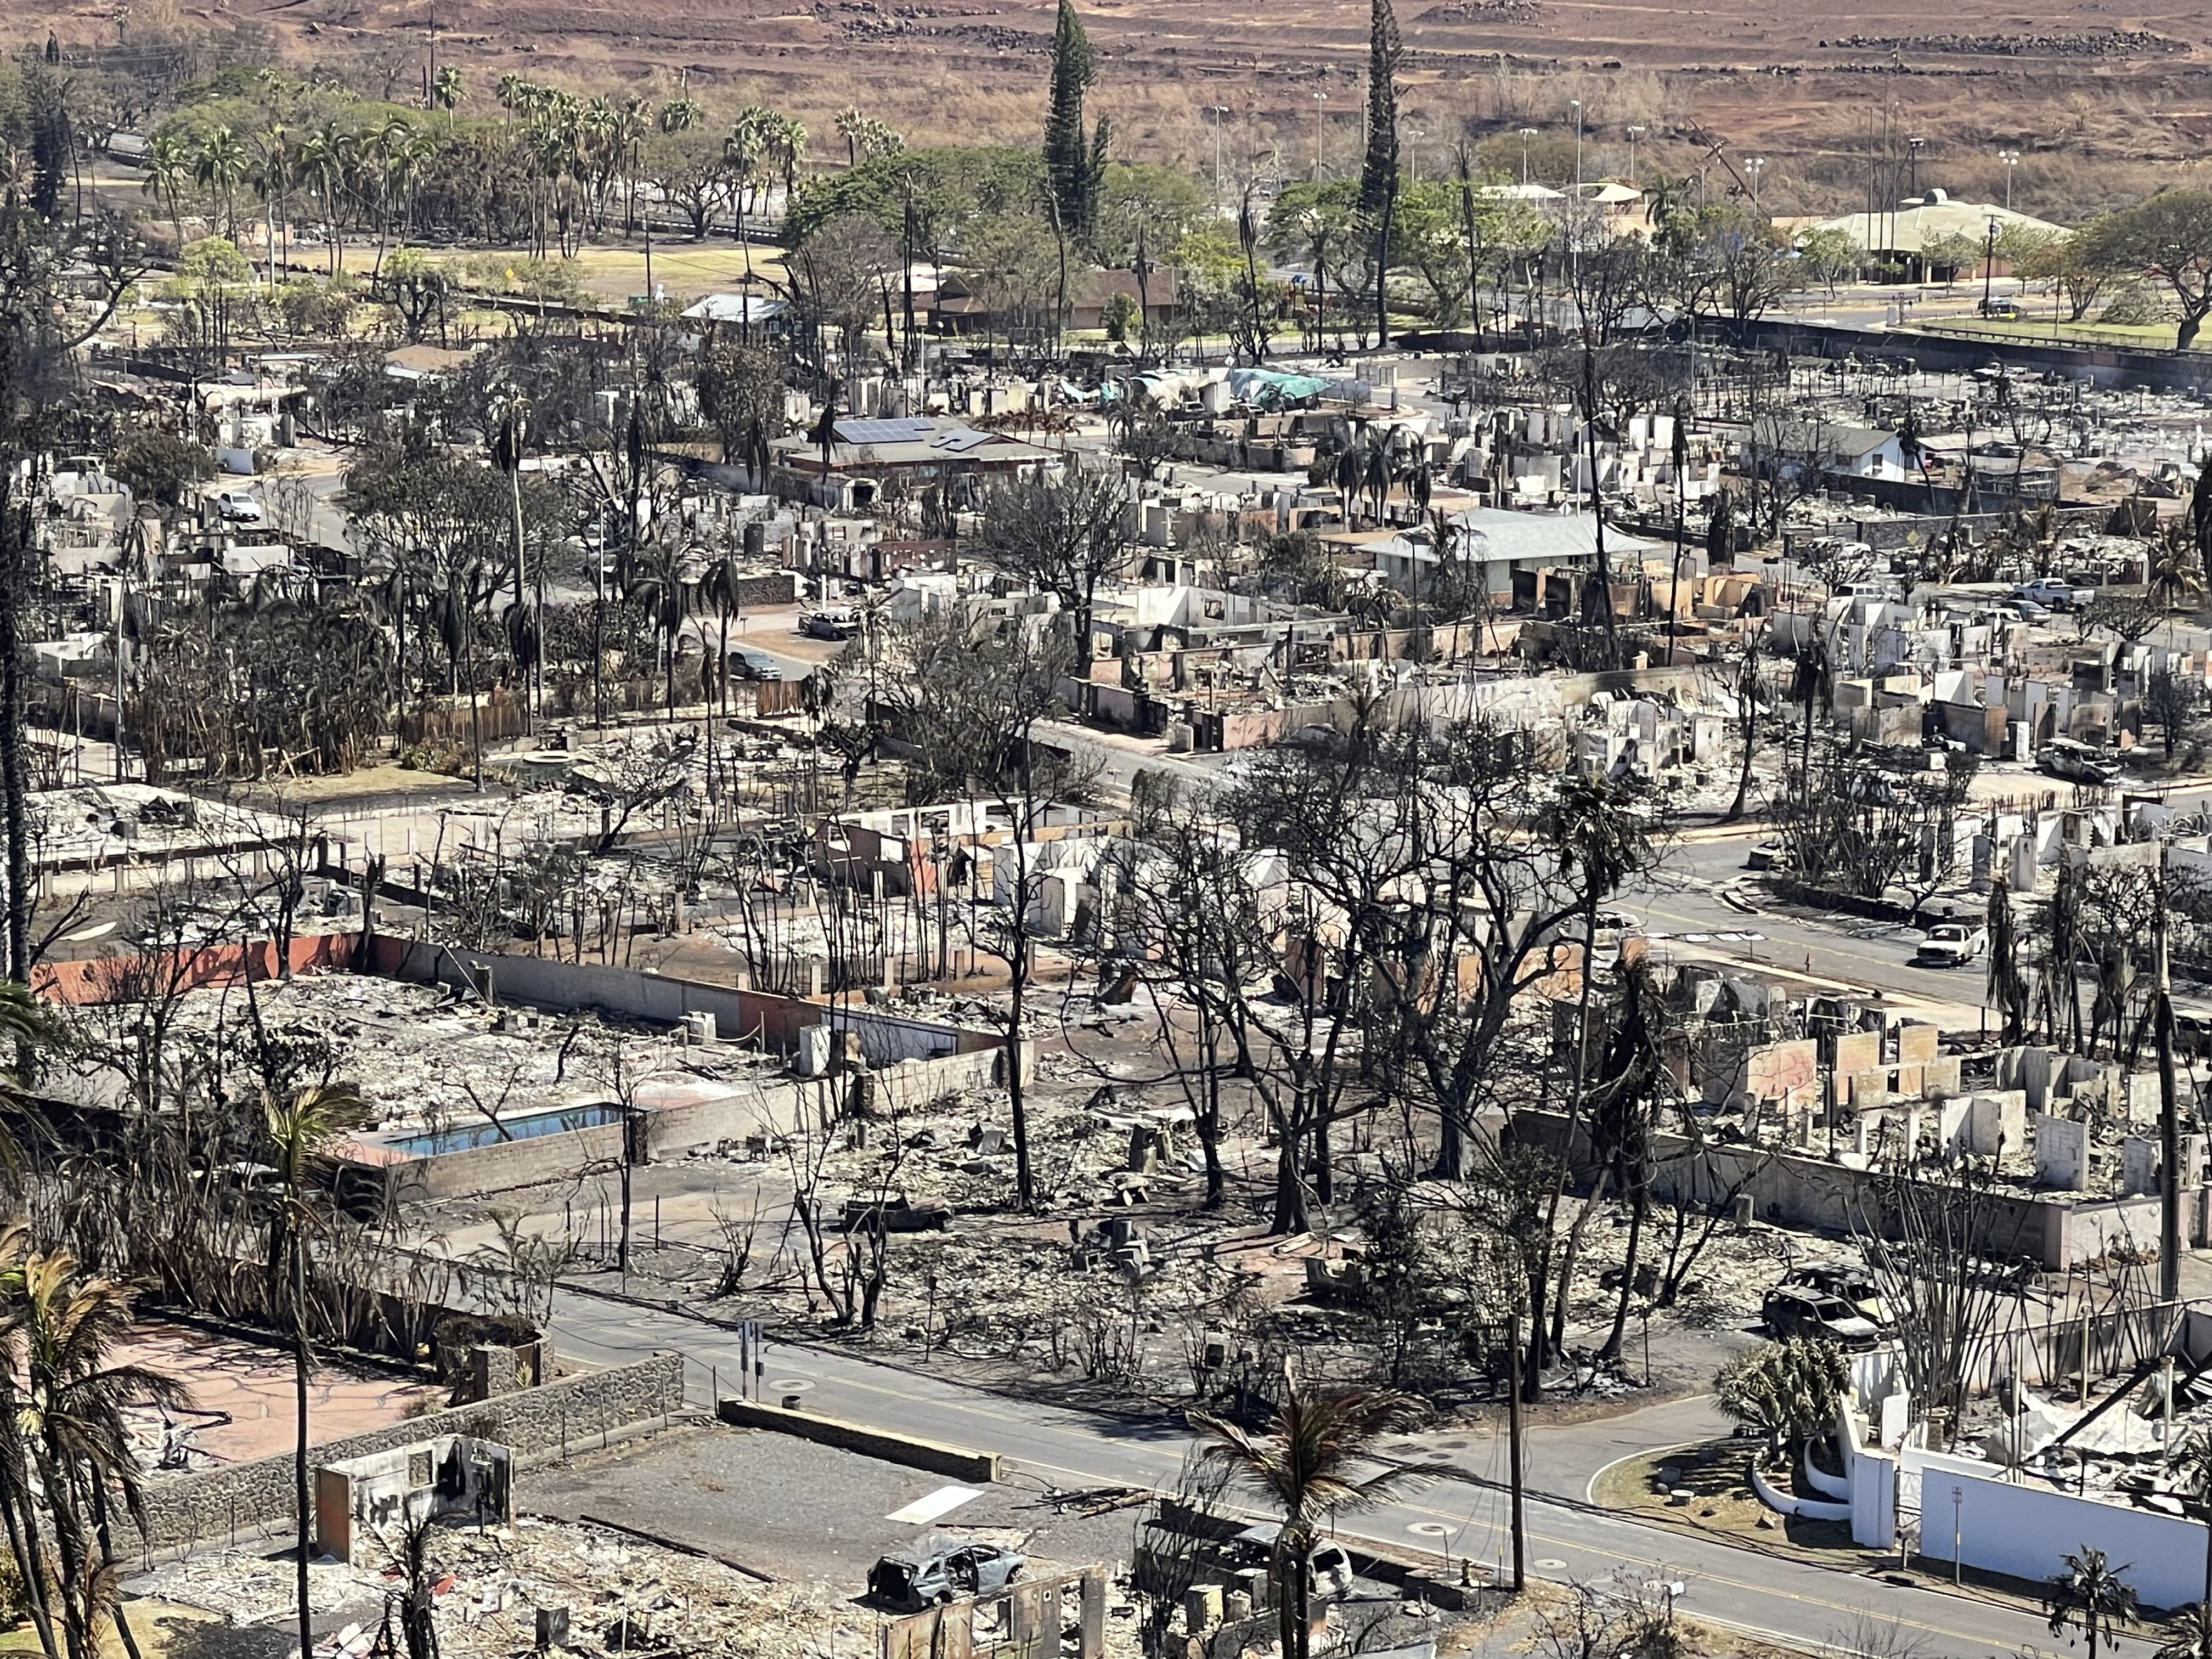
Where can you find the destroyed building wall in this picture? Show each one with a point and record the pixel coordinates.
(1801, 1190)
(768, 1020)
(246, 1497)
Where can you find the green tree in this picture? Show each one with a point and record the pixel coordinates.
(1378, 169)
(1827, 256)
(219, 167)
(1074, 160)
(2091, 1596)
(1789, 1389)
(1315, 1461)
(2169, 238)
(65, 1425)
(158, 467)
(168, 169)
(2076, 266)
(1953, 253)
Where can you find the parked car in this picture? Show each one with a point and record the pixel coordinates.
(238, 506)
(1791, 1310)
(938, 1569)
(2027, 610)
(2077, 762)
(835, 623)
(2004, 310)
(1855, 1285)
(1952, 944)
(749, 662)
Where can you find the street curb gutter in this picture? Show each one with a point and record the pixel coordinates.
(959, 1462)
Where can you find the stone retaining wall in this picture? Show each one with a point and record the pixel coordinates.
(215, 1504)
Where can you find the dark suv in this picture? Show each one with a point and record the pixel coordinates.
(1792, 1310)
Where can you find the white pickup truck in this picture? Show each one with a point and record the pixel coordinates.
(1952, 944)
(2053, 594)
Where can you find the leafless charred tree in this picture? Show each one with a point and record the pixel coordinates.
(1933, 1239)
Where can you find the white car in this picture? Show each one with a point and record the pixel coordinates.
(1953, 944)
(238, 506)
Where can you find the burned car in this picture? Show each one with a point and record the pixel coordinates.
(935, 1571)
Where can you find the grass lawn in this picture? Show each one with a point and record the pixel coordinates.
(1714, 1483)
(687, 270)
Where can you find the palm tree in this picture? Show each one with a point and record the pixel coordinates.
(167, 168)
(2090, 1595)
(851, 125)
(301, 1124)
(681, 114)
(743, 150)
(326, 159)
(2191, 1634)
(275, 163)
(64, 1425)
(510, 93)
(723, 587)
(1306, 1466)
(447, 92)
(219, 166)
(787, 141)
(666, 599)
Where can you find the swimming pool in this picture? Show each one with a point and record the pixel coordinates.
(470, 1136)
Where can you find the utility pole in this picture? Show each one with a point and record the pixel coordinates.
(1513, 1436)
(1989, 271)
(1320, 98)
(2169, 1124)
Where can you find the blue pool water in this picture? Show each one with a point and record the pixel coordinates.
(473, 1135)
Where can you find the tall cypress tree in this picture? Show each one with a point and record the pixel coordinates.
(1378, 175)
(1074, 160)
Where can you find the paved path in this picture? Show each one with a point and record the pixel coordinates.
(1786, 1598)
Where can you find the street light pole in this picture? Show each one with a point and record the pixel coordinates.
(1757, 164)
(1989, 268)
(1320, 98)
(1527, 133)
(1634, 133)
(1575, 212)
(2011, 159)
(1218, 111)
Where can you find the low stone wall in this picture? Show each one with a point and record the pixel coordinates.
(221, 1503)
(957, 1462)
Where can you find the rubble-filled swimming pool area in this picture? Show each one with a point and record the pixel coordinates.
(435, 1142)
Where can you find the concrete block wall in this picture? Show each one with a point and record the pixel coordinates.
(766, 1020)
(2058, 1230)
(242, 1497)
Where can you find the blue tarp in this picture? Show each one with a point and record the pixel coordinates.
(1269, 385)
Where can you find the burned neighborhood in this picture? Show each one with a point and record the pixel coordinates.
(1090, 871)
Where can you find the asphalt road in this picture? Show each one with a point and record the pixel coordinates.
(1787, 1598)
(1683, 901)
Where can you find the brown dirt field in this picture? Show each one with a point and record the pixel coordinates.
(1805, 85)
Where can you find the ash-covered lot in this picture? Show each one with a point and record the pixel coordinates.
(792, 1509)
